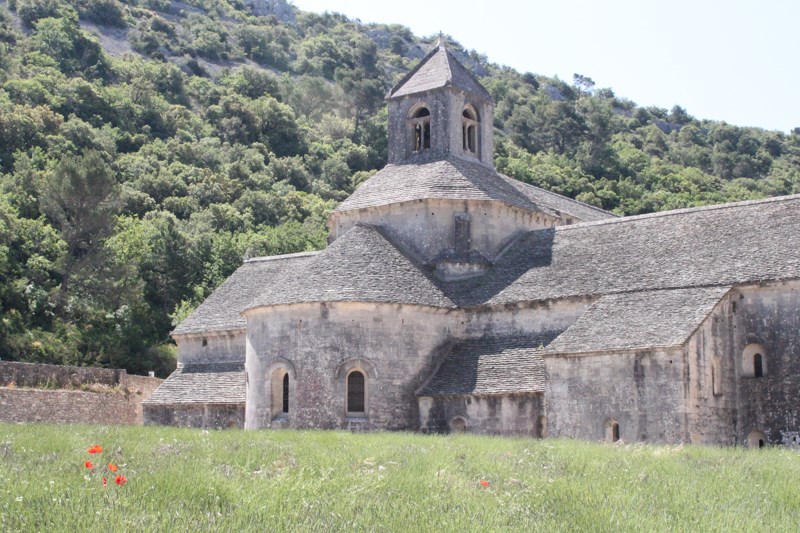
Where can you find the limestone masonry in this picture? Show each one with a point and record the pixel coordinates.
(71, 395)
(452, 298)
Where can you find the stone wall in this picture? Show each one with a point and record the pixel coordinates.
(35, 393)
(65, 407)
(769, 317)
(394, 345)
(446, 109)
(644, 392)
(215, 416)
(398, 348)
(705, 392)
(751, 319)
(212, 347)
(533, 319)
(428, 227)
(55, 376)
(493, 415)
(711, 379)
(139, 389)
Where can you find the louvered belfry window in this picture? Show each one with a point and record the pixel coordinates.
(355, 392)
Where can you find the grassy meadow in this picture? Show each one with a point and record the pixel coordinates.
(184, 480)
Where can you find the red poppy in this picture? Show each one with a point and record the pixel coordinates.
(112, 467)
(120, 480)
(95, 449)
(105, 482)
(484, 483)
(88, 464)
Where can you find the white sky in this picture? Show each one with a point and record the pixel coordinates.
(732, 60)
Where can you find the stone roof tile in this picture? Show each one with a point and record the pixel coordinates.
(450, 179)
(220, 311)
(361, 266)
(638, 320)
(222, 383)
(491, 366)
(722, 245)
(436, 70)
(559, 204)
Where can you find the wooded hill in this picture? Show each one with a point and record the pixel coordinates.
(147, 147)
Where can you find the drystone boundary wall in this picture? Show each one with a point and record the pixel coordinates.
(36, 393)
(55, 376)
(65, 407)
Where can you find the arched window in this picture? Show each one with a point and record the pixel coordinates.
(280, 378)
(754, 361)
(612, 430)
(286, 393)
(420, 123)
(469, 130)
(356, 394)
(756, 439)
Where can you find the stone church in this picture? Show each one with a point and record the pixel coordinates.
(453, 298)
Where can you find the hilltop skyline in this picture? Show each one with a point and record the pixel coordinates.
(732, 65)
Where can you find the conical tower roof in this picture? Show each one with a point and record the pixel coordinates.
(436, 70)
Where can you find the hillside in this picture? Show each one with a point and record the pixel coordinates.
(146, 147)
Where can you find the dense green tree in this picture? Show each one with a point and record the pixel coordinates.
(80, 197)
(61, 39)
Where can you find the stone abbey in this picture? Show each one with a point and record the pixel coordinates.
(453, 298)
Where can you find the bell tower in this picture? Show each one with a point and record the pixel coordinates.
(439, 198)
(439, 110)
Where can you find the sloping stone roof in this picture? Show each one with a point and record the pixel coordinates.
(220, 311)
(362, 266)
(220, 383)
(438, 69)
(719, 245)
(450, 179)
(559, 204)
(639, 320)
(489, 366)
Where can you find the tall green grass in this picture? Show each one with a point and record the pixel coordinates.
(184, 480)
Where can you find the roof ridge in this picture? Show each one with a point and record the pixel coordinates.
(682, 211)
(447, 63)
(482, 179)
(470, 74)
(594, 207)
(280, 257)
(410, 74)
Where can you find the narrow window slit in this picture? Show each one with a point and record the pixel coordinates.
(286, 393)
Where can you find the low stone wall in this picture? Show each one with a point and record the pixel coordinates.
(55, 376)
(36, 393)
(65, 407)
